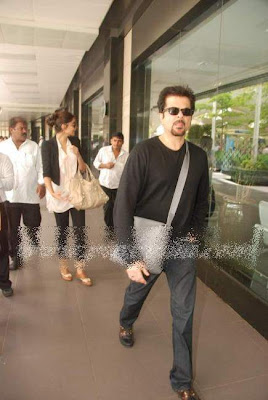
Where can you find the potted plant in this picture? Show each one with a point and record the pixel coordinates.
(251, 172)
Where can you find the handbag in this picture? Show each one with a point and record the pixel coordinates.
(85, 191)
(152, 237)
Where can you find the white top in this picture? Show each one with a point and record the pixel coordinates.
(110, 178)
(28, 171)
(68, 168)
(6, 176)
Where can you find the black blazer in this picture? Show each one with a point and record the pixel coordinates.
(50, 157)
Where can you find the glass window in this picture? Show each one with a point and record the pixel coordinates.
(93, 136)
(224, 59)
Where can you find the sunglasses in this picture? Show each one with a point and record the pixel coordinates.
(187, 112)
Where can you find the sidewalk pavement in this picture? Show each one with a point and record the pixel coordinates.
(59, 340)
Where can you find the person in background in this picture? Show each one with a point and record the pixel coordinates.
(24, 198)
(40, 142)
(146, 190)
(61, 158)
(110, 161)
(6, 183)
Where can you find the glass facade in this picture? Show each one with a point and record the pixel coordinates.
(223, 57)
(93, 137)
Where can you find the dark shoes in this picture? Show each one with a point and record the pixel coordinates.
(126, 337)
(7, 292)
(187, 394)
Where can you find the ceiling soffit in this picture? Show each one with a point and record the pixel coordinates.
(42, 44)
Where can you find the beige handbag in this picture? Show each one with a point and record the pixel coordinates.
(86, 192)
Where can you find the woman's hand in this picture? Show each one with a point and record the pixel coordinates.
(58, 196)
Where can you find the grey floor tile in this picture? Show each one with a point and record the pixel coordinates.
(255, 336)
(225, 355)
(140, 372)
(254, 388)
(101, 322)
(61, 338)
(50, 376)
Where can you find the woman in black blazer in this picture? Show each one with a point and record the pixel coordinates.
(61, 157)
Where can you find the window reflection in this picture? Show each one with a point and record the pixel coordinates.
(224, 59)
(93, 137)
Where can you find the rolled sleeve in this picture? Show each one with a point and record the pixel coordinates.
(7, 174)
(98, 160)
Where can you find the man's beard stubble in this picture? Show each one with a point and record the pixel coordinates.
(174, 132)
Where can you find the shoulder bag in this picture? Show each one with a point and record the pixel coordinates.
(152, 237)
(86, 192)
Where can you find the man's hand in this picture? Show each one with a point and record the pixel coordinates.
(136, 271)
(41, 191)
(109, 165)
(191, 238)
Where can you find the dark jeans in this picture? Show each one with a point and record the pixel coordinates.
(182, 283)
(5, 283)
(109, 207)
(31, 218)
(62, 220)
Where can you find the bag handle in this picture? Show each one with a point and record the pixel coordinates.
(179, 187)
(87, 174)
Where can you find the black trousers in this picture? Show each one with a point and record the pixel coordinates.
(182, 283)
(31, 216)
(108, 208)
(5, 283)
(79, 231)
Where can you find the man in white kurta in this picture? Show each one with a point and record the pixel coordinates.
(6, 183)
(24, 198)
(110, 161)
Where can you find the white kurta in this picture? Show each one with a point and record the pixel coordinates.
(28, 171)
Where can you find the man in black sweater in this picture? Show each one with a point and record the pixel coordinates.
(146, 190)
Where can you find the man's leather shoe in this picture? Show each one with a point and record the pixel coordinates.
(7, 292)
(187, 395)
(126, 337)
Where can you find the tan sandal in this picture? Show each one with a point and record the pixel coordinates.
(64, 271)
(66, 274)
(81, 275)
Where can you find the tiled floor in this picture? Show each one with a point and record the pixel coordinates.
(58, 340)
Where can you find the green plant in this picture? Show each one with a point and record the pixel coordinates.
(195, 132)
(219, 155)
(261, 164)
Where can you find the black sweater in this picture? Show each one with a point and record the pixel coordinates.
(147, 186)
